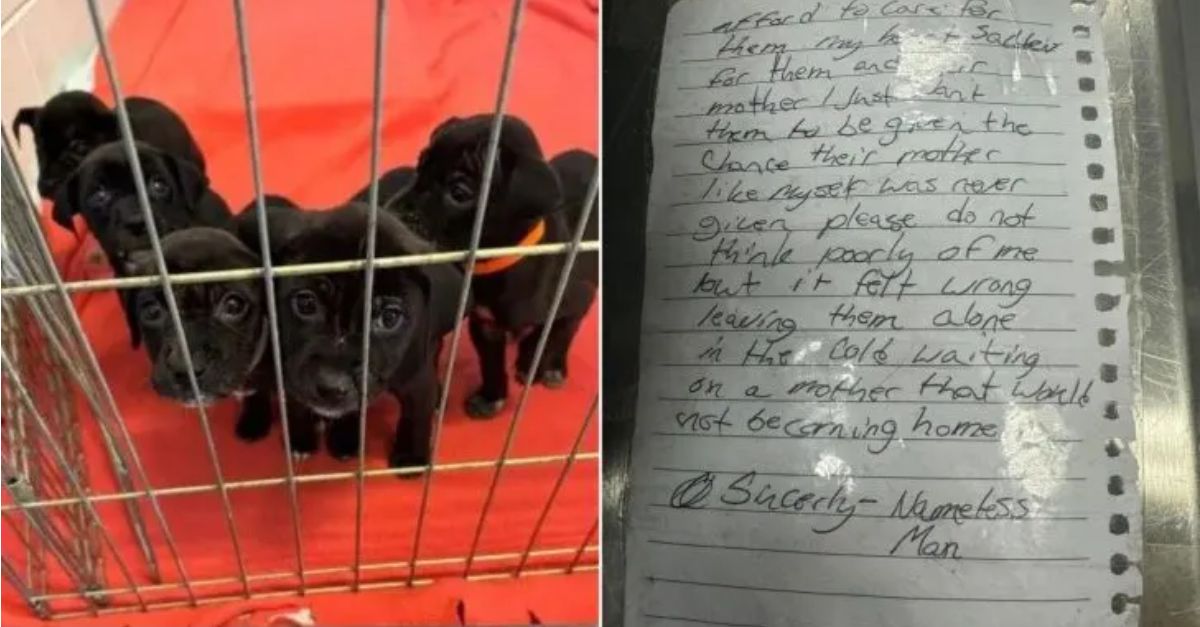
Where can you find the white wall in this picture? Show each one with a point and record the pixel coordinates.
(46, 46)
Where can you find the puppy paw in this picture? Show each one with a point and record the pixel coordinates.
(341, 438)
(553, 378)
(408, 459)
(479, 407)
(251, 427)
(303, 446)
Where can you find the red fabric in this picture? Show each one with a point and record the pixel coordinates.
(312, 66)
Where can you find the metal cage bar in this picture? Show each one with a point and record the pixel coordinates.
(14, 379)
(369, 277)
(74, 572)
(561, 289)
(110, 403)
(332, 570)
(582, 547)
(298, 269)
(139, 184)
(307, 478)
(264, 236)
(165, 281)
(558, 484)
(39, 607)
(485, 186)
(329, 589)
(59, 333)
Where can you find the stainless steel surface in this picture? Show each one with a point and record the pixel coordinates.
(1143, 39)
(1158, 175)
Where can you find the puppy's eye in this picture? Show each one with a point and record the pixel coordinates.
(460, 192)
(150, 312)
(136, 229)
(233, 307)
(99, 199)
(305, 304)
(157, 188)
(387, 317)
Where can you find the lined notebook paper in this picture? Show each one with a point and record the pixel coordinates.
(885, 364)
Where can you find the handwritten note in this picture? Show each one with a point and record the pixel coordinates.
(885, 371)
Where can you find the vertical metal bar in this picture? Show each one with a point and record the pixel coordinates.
(587, 539)
(39, 607)
(68, 473)
(56, 327)
(15, 487)
(35, 558)
(264, 238)
(369, 284)
(110, 402)
(489, 169)
(562, 478)
(563, 278)
(139, 184)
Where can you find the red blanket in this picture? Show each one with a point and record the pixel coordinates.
(312, 66)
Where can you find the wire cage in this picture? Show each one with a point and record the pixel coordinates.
(97, 532)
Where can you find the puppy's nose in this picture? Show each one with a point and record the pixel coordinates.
(174, 357)
(181, 376)
(334, 387)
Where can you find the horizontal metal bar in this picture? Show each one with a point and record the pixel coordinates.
(536, 572)
(301, 269)
(318, 572)
(310, 478)
(334, 589)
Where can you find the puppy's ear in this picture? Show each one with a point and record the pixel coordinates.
(284, 224)
(189, 179)
(141, 263)
(67, 202)
(128, 299)
(533, 188)
(25, 117)
(443, 127)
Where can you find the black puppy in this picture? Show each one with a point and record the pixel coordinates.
(321, 329)
(72, 124)
(530, 202)
(102, 189)
(224, 323)
(393, 186)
